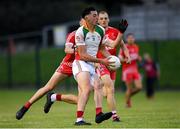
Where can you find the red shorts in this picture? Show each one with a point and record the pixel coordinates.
(130, 75)
(65, 68)
(103, 70)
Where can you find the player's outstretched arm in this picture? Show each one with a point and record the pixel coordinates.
(122, 28)
(126, 52)
(113, 44)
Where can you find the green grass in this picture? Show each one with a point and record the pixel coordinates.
(162, 112)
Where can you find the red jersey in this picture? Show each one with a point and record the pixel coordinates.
(150, 69)
(112, 34)
(134, 55)
(66, 64)
(70, 40)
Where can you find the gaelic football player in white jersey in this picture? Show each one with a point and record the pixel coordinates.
(88, 39)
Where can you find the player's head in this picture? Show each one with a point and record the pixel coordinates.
(147, 57)
(130, 38)
(103, 19)
(90, 15)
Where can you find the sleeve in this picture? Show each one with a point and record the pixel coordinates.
(79, 37)
(70, 39)
(104, 38)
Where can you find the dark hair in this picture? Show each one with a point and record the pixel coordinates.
(129, 34)
(87, 11)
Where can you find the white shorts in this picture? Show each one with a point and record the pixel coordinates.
(82, 66)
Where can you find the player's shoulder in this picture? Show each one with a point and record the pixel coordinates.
(82, 30)
(100, 27)
(100, 30)
(71, 34)
(79, 29)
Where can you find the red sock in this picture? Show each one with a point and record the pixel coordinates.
(79, 114)
(27, 104)
(58, 97)
(98, 110)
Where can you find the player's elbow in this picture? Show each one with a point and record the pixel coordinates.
(69, 51)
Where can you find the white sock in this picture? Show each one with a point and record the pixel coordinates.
(114, 112)
(53, 97)
(79, 119)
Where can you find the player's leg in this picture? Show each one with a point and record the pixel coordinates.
(83, 79)
(150, 87)
(128, 93)
(52, 97)
(109, 86)
(56, 77)
(98, 98)
(127, 78)
(138, 87)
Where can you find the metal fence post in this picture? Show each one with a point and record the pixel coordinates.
(156, 58)
(37, 66)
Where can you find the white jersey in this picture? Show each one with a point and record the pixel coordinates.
(92, 40)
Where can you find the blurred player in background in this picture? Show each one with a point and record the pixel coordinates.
(61, 73)
(108, 77)
(88, 40)
(130, 73)
(152, 74)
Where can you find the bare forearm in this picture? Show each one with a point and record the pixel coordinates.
(105, 53)
(114, 43)
(124, 48)
(89, 58)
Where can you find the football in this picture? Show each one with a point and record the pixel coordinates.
(116, 63)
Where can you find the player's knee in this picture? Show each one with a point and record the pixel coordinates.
(128, 89)
(110, 90)
(48, 87)
(108, 84)
(86, 91)
(139, 88)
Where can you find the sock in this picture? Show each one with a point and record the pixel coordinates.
(58, 97)
(53, 97)
(114, 115)
(27, 105)
(79, 115)
(114, 112)
(79, 119)
(98, 110)
(128, 101)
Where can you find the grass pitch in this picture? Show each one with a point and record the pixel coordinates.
(162, 112)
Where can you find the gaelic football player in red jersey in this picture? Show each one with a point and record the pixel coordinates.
(130, 73)
(61, 73)
(108, 77)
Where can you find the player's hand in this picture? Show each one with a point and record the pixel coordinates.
(96, 65)
(127, 60)
(123, 25)
(106, 62)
